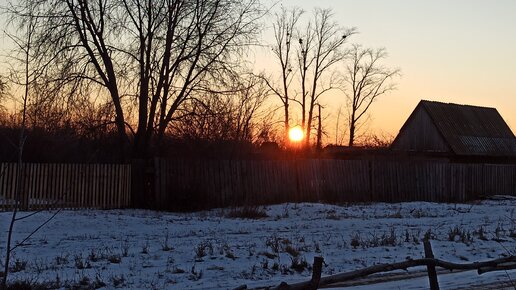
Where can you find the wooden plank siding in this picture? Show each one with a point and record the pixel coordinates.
(420, 134)
(70, 186)
(196, 184)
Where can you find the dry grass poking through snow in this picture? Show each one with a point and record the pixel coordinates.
(137, 249)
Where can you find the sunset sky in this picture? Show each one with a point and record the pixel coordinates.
(460, 51)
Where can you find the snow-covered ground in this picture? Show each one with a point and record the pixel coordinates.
(138, 249)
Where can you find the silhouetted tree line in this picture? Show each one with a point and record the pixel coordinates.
(66, 141)
(109, 81)
(218, 130)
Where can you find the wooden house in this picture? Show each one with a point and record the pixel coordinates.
(457, 132)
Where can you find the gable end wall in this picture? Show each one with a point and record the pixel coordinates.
(420, 134)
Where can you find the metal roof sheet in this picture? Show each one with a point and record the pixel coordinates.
(472, 130)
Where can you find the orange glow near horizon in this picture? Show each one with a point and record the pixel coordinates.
(295, 134)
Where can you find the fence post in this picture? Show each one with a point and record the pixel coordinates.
(23, 191)
(155, 180)
(372, 180)
(316, 273)
(432, 274)
(137, 183)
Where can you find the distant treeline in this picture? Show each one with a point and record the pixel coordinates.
(68, 145)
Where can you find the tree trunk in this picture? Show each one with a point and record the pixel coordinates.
(140, 146)
(287, 125)
(352, 127)
(309, 126)
(319, 130)
(351, 135)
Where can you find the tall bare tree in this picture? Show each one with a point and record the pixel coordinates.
(147, 57)
(24, 77)
(366, 79)
(284, 28)
(321, 47)
(306, 54)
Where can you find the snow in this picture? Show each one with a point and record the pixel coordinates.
(140, 249)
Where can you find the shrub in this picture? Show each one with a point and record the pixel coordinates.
(332, 215)
(178, 270)
(93, 256)
(20, 285)
(292, 251)
(275, 267)
(499, 231)
(85, 281)
(248, 212)
(80, 263)
(355, 240)
(299, 264)
(125, 248)
(18, 266)
(453, 233)
(388, 239)
(61, 259)
(227, 252)
(459, 235)
(480, 233)
(145, 248)
(203, 249)
(194, 274)
(117, 280)
(165, 247)
(269, 255)
(274, 243)
(115, 259)
(396, 214)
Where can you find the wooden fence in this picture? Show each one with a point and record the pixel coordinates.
(47, 186)
(194, 184)
(347, 279)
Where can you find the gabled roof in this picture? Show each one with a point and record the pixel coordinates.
(471, 130)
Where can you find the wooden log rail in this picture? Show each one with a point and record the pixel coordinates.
(481, 267)
(506, 263)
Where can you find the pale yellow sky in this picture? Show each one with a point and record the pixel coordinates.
(460, 51)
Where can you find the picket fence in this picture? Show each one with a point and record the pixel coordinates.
(73, 186)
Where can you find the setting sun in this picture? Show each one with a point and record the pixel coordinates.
(295, 134)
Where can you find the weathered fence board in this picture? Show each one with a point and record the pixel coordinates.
(74, 186)
(194, 184)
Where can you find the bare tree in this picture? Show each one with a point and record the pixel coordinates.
(249, 101)
(320, 48)
(366, 79)
(339, 139)
(3, 88)
(284, 28)
(317, 47)
(228, 116)
(3, 93)
(376, 140)
(24, 44)
(147, 57)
